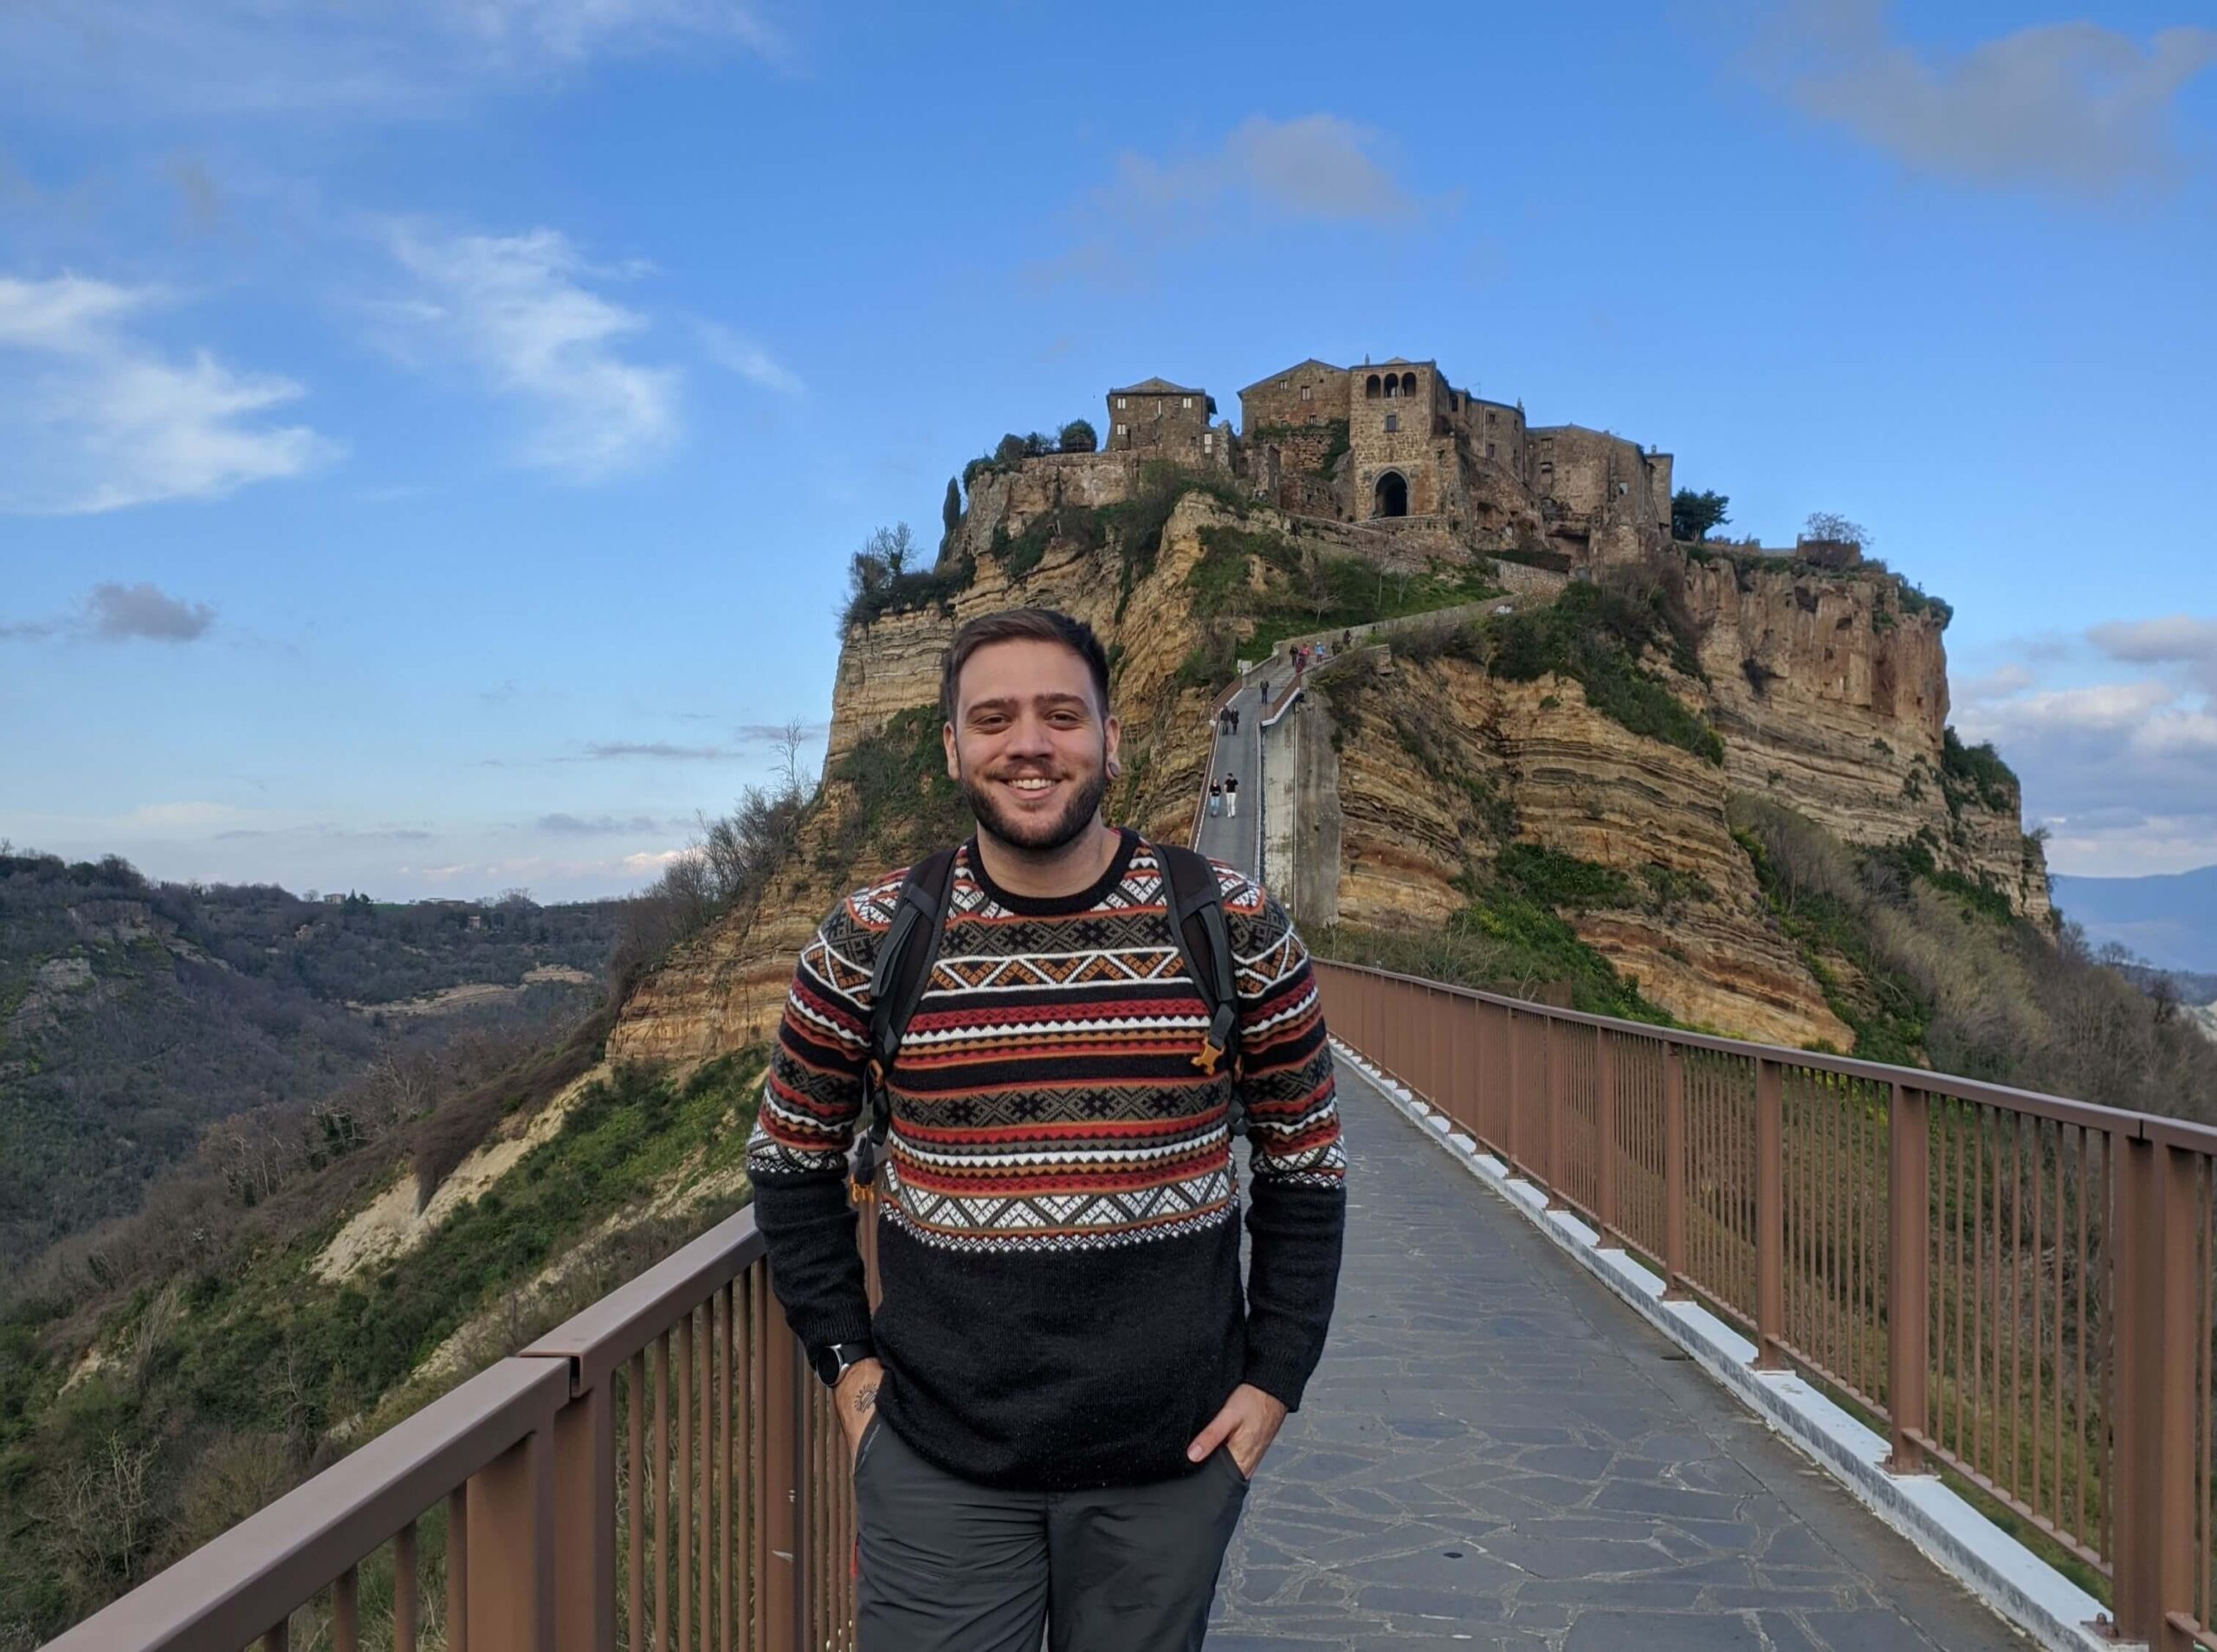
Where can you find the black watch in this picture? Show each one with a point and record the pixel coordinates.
(832, 1360)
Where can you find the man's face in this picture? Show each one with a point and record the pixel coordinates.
(1028, 745)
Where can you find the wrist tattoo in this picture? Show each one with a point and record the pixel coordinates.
(866, 1397)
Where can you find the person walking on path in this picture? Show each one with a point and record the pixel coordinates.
(1232, 794)
(1216, 798)
(1058, 1407)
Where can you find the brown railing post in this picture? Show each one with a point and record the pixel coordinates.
(1770, 1216)
(584, 1522)
(1605, 1138)
(1674, 1174)
(1909, 1256)
(511, 1549)
(2157, 1311)
(776, 1533)
(1513, 1136)
(1555, 1096)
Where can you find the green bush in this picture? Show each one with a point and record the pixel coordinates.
(1557, 880)
(1979, 769)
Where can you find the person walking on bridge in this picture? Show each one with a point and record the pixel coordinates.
(1232, 794)
(1058, 1407)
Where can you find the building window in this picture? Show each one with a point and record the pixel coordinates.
(1488, 450)
(1123, 429)
(1189, 403)
(1122, 403)
(1408, 384)
(1392, 422)
(1393, 386)
(1305, 392)
(1208, 442)
(1370, 390)
(1488, 418)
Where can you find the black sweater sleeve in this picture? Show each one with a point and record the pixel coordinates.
(1296, 1213)
(810, 1106)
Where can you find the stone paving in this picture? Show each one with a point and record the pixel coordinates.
(1495, 1453)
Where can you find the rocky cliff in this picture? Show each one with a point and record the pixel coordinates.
(1601, 726)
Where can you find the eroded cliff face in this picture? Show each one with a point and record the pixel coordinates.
(1441, 765)
(1832, 699)
(1828, 690)
(726, 987)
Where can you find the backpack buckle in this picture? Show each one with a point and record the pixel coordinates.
(1210, 1056)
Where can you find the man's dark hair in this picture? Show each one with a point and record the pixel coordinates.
(1035, 624)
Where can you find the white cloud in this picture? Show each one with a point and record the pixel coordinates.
(517, 311)
(2122, 772)
(1313, 169)
(2072, 107)
(94, 417)
(748, 359)
(251, 58)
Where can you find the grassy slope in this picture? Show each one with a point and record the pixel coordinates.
(236, 1382)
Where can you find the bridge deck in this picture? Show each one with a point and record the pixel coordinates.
(1496, 1453)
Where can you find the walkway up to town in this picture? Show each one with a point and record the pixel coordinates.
(1496, 1453)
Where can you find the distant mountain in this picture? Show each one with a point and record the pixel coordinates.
(2170, 920)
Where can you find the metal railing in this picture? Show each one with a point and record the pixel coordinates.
(2019, 1286)
(659, 1472)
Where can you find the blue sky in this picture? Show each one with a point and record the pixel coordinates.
(432, 435)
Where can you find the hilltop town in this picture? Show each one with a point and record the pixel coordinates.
(1396, 447)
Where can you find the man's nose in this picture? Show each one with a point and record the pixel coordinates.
(1030, 737)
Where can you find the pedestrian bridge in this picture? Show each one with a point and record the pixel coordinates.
(1645, 1339)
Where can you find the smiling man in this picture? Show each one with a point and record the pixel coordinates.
(1062, 1398)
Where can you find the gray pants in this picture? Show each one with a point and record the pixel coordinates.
(948, 1566)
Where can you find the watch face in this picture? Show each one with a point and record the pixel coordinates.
(827, 1366)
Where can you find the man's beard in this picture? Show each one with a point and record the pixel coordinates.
(1037, 838)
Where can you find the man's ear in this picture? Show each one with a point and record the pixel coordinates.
(947, 739)
(1112, 740)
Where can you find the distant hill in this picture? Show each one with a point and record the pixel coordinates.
(2170, 918)
(134, 1014)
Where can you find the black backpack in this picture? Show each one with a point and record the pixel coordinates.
(911, 947)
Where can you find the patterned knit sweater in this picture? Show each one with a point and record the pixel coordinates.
(1059, 1252)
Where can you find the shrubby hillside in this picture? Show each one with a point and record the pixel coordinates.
(135, 1014)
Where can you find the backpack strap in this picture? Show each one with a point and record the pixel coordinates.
(897, 979)
(1197, 919)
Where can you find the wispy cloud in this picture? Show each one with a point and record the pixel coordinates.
(1313, 169)
(235, 60)
(2175, 639)
(519, 311)
(95, 417)
(602, 750)
(115, 613)
(748, 359)
(604, 825)
(2074, 108)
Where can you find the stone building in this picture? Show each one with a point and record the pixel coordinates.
(1395, 440)
(1163, 420)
